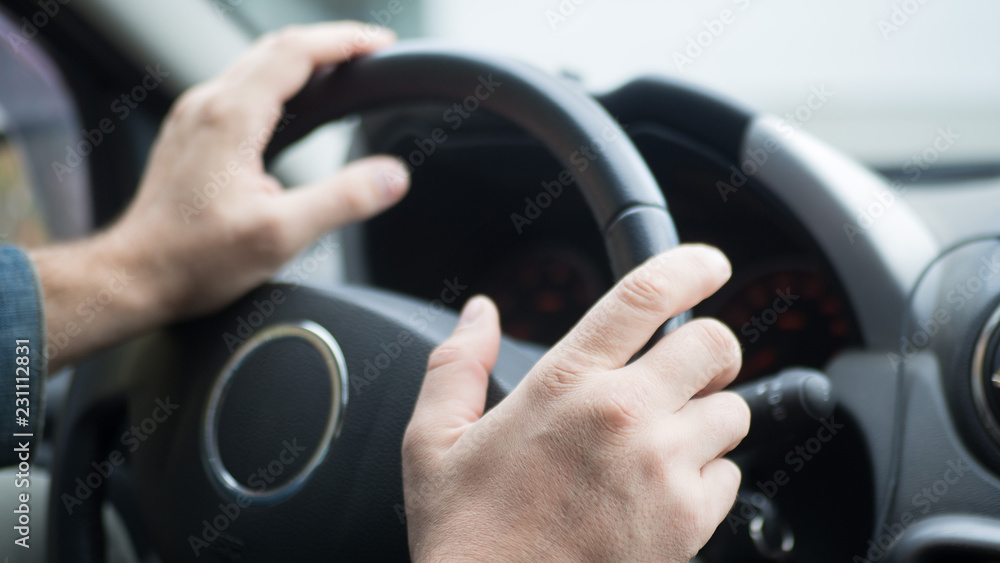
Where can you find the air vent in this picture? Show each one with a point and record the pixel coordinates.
(986, 376)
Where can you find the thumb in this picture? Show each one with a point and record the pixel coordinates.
(360, 190)
(453, 394)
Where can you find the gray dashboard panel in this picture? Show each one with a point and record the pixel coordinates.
(879, 258)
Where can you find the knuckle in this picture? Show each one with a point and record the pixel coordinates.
(450, 355)
(266, 234)
(729, 487)
(208, 105)
(644, 291)
(653, 462)
(735, 478)
(191, 99)
(219, 110)
(284, 39)
(620, 409)
(357, 196)
(730, 415)
(719, 342)
(415, 445)
(589, 344)
(692, 513)
(443, 355)
(271, 227)
(740, 412)
(555, 380)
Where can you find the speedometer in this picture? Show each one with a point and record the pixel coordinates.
(790, 316)
(541, 294)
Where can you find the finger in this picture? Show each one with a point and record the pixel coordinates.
(700, 357)
(249, 96)
(453, 394)
(716, 423)
(280, 63)
(360, 190)
(625, 319)
(720, 484)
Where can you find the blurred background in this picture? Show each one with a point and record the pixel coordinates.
(887, 78)
(898, 70)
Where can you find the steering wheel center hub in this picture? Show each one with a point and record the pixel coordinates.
(264, 436)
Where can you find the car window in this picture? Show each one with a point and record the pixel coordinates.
(44, 187)
(885, 81)
(403, 16)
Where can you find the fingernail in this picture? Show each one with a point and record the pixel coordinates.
(392, 178)
(471, 312)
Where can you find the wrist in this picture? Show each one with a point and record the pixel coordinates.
(489, 543)
(134, 275)
(96, 292)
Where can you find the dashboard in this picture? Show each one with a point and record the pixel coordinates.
(479, 216)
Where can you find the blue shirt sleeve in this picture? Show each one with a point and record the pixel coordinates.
(22, 359)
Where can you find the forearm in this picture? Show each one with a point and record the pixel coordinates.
(96, 293)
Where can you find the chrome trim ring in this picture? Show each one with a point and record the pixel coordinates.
(324, 343)
(979, 383)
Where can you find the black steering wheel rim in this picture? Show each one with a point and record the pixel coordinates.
(625, 199)
(621, 192)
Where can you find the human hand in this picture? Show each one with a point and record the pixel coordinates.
(588, 458)
(211, 250)
(208, 223)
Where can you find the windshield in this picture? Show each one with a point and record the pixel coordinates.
(896, 77)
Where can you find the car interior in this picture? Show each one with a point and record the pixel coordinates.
(865, 289)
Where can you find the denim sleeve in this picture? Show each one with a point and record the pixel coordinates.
(22, 363)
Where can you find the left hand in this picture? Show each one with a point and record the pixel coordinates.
(216, 221)
(208, 222)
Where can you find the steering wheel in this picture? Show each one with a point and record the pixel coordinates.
(272, 430)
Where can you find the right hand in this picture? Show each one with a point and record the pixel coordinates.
(588, 458)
